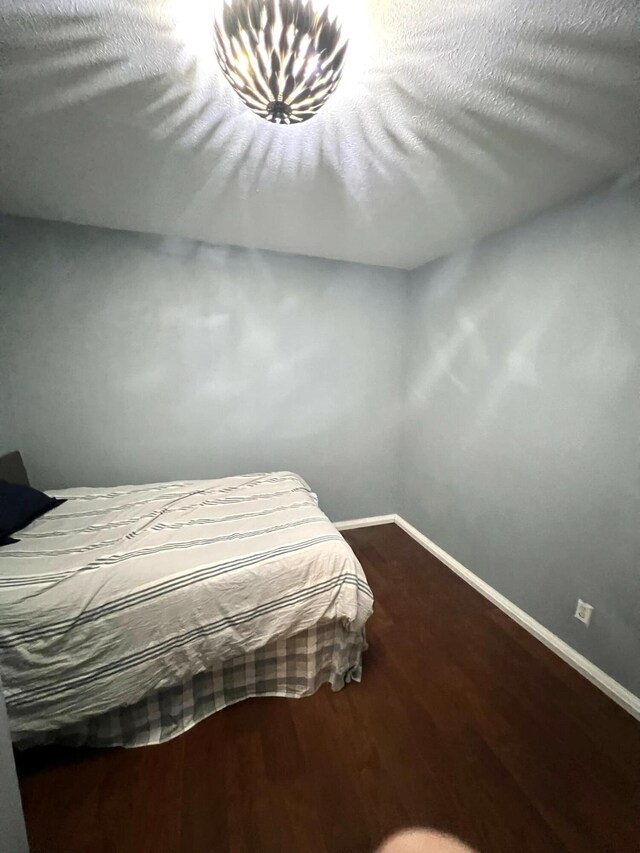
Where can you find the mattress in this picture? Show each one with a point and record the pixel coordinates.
(290, 667)
(122, 592)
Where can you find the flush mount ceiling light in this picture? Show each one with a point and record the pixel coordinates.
(284, 58)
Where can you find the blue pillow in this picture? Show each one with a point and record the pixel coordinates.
(19, 506)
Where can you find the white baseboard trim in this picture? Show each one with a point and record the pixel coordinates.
(623, 697)
(371, 521)
(613, 689)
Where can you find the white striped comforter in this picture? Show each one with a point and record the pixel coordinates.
(120, 592)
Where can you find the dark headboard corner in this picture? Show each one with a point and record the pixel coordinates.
(12, 469)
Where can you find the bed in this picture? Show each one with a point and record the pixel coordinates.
(128, 614)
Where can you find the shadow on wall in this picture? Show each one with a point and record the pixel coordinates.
(494, 280)
(163, 359)
(520, 448)
(244, 344)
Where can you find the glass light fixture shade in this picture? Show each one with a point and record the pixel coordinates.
(283, 57)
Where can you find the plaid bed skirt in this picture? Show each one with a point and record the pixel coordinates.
(292, 667)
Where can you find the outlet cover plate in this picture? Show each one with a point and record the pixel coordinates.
(583, 612)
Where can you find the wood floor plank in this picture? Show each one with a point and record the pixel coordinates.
(463, 721)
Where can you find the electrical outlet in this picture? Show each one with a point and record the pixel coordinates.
(583, 612)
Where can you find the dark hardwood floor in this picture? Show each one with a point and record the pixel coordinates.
(462, 721)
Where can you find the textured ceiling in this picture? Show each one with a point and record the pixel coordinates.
(454, 119)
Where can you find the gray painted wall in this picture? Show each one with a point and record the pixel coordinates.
(130, 358)
(13, 837)
(521, 453)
